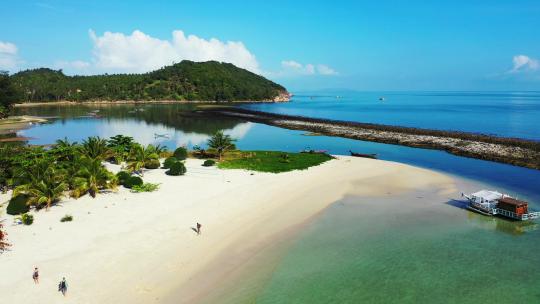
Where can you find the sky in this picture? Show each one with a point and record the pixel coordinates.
(303, 45)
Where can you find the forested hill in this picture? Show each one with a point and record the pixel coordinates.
(187, 80)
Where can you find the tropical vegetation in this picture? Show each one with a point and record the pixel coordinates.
(222, 143)
(27, 219)
(209, 163)
(42, 176)
(187, 80)
(8, 94)
(176, 168)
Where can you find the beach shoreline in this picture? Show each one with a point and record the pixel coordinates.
(138, 248)
(137, 102)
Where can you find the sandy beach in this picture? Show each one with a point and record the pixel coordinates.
(128, 247)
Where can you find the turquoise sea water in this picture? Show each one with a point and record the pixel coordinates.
(350, 254)
(509, 114)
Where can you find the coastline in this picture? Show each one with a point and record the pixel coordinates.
(13, 124)
(138, 248)
(136, 102)
(514, 151)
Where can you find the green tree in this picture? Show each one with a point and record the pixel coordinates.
(91, 177)
(8, 94)
(95, 148)
(221, 143)
(139, 155)
(44, 188)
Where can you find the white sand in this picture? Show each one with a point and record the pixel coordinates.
(139, 247)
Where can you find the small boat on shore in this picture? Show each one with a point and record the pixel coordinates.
(355, 154)
(491, 203)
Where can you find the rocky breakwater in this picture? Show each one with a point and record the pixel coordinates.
(515, 151)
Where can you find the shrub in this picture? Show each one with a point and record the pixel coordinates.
(169, 161)
(27, 219)
(209, 163)
(180, 153)
(123, 176)
(176, 168)
(146, 187)
(66, 218)
(133, 181)
(17, 205)
(152, 164)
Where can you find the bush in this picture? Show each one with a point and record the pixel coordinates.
(176, 169)
(209, 163)
(169, 161)
(17, 205)
(146, 187)
(133, 181)
(66, 218)
(122, 177)
(152, 164)
(180, 153)
(27, 219)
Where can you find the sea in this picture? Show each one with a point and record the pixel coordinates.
(342, 256)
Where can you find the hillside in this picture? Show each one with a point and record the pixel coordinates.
(187, 80)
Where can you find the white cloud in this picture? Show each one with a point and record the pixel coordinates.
(8, 55)
(524, 63)
(325, 70)
(294, 68)
(139, 52)
(8, 48)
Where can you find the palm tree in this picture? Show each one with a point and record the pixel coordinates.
(91, 177)
(120, 146)
(157, 149)
(95, 148)
(221, 143)
(64, 150)
(139, 155)
(44, 188)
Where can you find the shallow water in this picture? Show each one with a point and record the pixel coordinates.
(357, 253)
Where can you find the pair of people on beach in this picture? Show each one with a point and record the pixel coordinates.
(62, 286)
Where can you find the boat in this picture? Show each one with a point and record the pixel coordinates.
(156, 135)
(355, 154)
(309, 150)
(382, 98)
(490, 203)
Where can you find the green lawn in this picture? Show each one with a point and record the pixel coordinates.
(272, 161)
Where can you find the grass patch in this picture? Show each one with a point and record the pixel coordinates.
(146, 187)
(272, 161)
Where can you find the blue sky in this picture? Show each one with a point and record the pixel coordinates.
(304, 45)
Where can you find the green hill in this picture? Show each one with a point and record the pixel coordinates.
(187, 80)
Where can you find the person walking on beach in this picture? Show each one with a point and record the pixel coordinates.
(62, 286)
(35, 275)
(199, 228)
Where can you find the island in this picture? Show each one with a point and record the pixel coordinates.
(209, 81)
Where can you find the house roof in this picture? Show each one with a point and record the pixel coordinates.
(512, 201)
(488, 195)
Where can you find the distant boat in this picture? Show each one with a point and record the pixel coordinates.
(373, 156)
(161, 135)
(382, 98)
